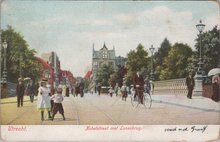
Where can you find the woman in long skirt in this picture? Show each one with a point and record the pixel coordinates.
(43, 100)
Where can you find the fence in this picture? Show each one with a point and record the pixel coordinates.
(170, 87)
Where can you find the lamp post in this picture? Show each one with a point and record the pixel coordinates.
(200, 27)
(199, 74)
(152, 70)
(4, 79)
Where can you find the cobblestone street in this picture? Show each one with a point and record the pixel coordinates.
(104, 110)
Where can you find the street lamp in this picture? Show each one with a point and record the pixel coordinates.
(152, 53)
(200, 27)
(4, 79)
(199, 74)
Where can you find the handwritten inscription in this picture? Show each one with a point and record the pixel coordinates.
(192, 129)
(17, 128)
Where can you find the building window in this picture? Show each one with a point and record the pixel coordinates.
(95, 63)
(104, 54)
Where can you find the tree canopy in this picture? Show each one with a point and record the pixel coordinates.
(175, 65)
(104, 73)
(138, 60)
(210, 49)
(20, 58)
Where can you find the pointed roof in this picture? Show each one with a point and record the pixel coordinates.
(104, 47)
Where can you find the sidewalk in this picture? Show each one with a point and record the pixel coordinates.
(197, 102)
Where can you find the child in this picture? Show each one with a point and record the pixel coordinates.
(124, 91)
(111, 91)
(58, 99)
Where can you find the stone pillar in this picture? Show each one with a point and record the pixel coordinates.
(198, 89)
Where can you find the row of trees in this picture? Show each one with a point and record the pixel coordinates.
(21, 61)
(170, 61)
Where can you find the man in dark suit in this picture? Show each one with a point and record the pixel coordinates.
(20, 92)
(190, 83)
(138, 82)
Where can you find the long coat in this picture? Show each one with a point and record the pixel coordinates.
(190, 83)
(138, 80)
(20, 89)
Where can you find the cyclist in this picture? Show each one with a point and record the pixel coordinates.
(138, 82)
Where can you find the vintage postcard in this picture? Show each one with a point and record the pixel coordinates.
(109, 70)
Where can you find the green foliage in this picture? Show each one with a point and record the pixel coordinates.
(118, 76)
(159, 57)
(113, 79)
(104, 74)
(137, 61)
(210, 49)
(176, 63)
(19, 57)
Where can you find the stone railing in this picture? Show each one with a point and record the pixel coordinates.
(170, 87)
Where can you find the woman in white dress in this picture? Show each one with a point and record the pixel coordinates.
(43, 100)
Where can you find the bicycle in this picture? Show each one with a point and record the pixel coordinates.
(147, 100)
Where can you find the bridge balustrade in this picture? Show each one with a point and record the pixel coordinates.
(170, 87)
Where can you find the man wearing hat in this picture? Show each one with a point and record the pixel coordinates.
(20, 92)
(138, 82)
(190, 83)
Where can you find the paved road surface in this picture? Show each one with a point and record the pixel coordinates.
(104, 110)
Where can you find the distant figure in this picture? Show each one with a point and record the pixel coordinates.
(58, 99)
(67, 91)
(124, 91)
(116, 89)
(31, 90)
(20, 92)
(190, 83)
(99, 87)
(147, 86)
(79, 88)
(111, 91)
(215, 87)
(64, 89)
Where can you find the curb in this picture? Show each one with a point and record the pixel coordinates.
(187, 106)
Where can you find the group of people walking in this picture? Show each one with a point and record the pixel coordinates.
(139, 87)
(48, 99)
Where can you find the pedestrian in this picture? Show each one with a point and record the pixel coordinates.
(138, 82)
(64, 90)
(99, 87)
(95, 88)
(190, 83)
(43, 99)
(147, 86)
(111, 91)
(81, 88)
(67, 91)
(116, 89)
(215, 87)
(58, 99)
(20, 92)
(124, 91)
(31, 90)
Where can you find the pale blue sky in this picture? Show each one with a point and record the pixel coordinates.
(70, 27)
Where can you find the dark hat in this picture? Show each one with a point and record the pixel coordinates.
(44, 79)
